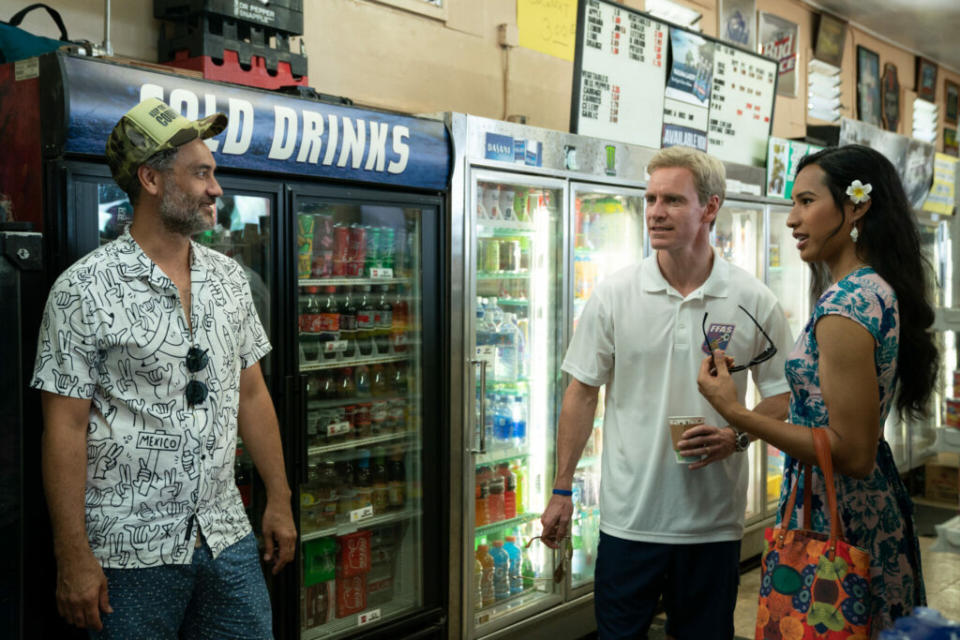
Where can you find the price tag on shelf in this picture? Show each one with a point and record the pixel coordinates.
(381, 273)
(361, 514)
(487, 353)
(338, 428)
(335, 345)
(367, 617)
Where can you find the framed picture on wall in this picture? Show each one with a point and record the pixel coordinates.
(831, 33)
(926, 79)
(868, 87)
(890, 97)
(952, 92)
(738, 22)
(778, 40)
(950, 141)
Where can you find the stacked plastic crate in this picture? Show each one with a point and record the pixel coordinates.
(241, 41)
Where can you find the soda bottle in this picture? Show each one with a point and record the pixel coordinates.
(520, 478)
(514, 577)
(348, 323)
(487, 596)
(400, 319)
(366, 314)
(346, 387)
(495, 499)
(397, 481)
(384, 320)
(480, 506)
(509, 491)
(381, 492)
(527, 573)
(362, 381)
(379, 380)
(399, 382)
(310, 327)
(478, 581)
(329, 321)
(501, 569)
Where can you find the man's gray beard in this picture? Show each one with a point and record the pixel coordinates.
(180, 214)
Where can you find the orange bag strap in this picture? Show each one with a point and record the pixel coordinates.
(821, 444)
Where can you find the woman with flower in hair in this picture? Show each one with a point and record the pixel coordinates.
(865, 349)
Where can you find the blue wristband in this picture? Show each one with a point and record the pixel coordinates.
(562, 492)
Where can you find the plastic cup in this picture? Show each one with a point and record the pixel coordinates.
(679, 424)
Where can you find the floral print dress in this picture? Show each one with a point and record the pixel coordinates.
(877, 512)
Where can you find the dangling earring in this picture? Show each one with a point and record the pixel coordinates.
(854, 234)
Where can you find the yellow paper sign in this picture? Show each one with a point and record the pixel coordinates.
(942, 196)
(548, 26)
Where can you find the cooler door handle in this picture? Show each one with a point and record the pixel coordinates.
(483, 407)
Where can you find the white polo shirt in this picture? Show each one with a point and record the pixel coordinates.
(642, 339)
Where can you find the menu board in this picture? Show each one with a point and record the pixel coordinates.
(618, 83)
(741, 105)
(639, 81)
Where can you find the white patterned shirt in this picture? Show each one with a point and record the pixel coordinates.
(114, 331)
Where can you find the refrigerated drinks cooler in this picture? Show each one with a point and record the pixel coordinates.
(538, 218)
(336, 215)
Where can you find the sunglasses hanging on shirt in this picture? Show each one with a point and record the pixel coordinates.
(197, 360)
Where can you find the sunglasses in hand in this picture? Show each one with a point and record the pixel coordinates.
(764, 355)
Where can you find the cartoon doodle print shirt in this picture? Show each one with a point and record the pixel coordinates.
(114, 331)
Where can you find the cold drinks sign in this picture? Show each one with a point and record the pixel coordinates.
(266, 131)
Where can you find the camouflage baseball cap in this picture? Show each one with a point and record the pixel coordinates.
(150, 127)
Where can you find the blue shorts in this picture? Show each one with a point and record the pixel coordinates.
(697, 582)
(222, 599)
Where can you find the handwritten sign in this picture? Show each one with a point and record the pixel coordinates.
(548, 26)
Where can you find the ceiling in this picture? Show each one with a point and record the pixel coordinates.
(930, 28)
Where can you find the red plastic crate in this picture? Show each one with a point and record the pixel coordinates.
(231, 71)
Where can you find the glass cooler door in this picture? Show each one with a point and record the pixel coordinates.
(738, 237)
(789, 278)
(360, 353)
(607, 236)
(514, 317)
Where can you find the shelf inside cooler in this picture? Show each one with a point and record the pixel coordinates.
(508, 605)
(361, 442)
(344, 282)
(342, 529)
(319, 405)
(505, 524)
(510, 225)
(518, 302)
(500, 455)
(319, 365)
(342, 626)
(505, 275)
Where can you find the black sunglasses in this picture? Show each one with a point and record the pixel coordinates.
(196, 390)
(765, 355)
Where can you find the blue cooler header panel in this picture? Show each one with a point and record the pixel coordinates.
(267, 132)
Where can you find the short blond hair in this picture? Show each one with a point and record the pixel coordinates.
(709, 174)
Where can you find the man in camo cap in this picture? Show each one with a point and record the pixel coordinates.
(148, 362)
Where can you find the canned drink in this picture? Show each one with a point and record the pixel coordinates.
(341, 242)
(510, 256)
(373, 249)
(357, 250)
(386, 247)
(490, 250)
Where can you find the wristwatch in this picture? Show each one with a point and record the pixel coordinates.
(741, 440)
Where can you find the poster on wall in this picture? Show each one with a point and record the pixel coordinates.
(942, 198)
(831, 33)
(890, 101)
(778, 40)
(687, 95)
(868, 87)
(950, 141)
(782, 160)
(952, 92)
(737, 22)
(926, 79)
(912, 158)
(619, 74)
(741, 105)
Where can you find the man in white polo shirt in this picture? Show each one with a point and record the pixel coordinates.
(668, 530)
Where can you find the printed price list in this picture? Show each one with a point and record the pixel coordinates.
(741, 105)
(622, 69)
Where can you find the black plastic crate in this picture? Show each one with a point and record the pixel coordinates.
(210, 35)
(277, 15)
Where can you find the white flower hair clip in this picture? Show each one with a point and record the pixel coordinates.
(859, 192)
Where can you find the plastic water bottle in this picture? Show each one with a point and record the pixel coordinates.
(518, 422)
(514, 578)
(483, 333)
(496, 313)
(506, 361)
(489, 417)
(501, 570)
(502, 418)
(521, 345)
(923, 624)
